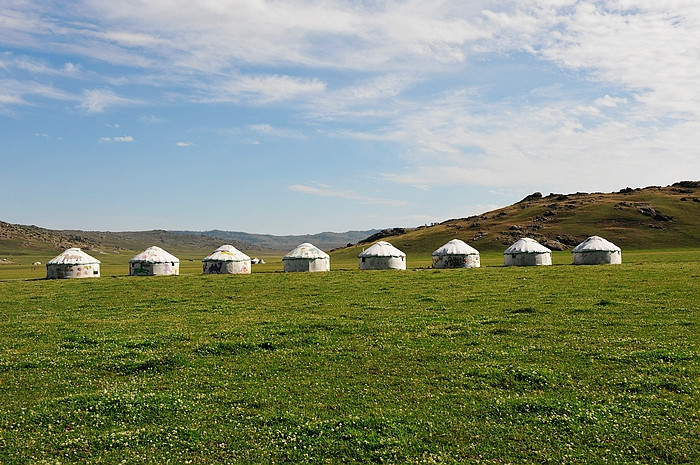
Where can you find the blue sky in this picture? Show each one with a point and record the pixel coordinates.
(294, 117)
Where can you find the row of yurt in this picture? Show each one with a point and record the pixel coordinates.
(154, 261)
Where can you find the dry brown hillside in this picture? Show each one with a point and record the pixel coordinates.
(13, 236)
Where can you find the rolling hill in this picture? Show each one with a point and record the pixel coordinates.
(644, 218)
(324, 240)
(16, 239)
(19, 240)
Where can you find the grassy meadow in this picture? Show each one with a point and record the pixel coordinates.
(560, 364)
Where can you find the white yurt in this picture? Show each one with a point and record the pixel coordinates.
(456, 254)
(527, 252)
(306, 257)
(73, 263)
(226, 260)
(596, 251)
(154, 261)
(382, 256)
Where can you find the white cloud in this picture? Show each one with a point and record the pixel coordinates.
(326, 191)
(269, 130)
(265, 89)
(556, 144)
(151, 119)
(23, 91)
(209, 35)
(651, 48)
(117, 139)
(184, 144)
(97, 100)
(12, 100)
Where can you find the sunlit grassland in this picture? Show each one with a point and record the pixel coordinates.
(561, 364)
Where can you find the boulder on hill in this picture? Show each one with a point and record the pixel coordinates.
(533, 196)
(382, 234)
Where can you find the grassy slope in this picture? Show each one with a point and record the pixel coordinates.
(615, 216)
(558, 364)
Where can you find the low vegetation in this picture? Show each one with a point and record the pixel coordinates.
(560, 364)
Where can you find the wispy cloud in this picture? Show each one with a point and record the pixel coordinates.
(184, 144)
(97, 100)
(326, 191)
(269, 130)
(12, 99)
(594, 145)
(264, 89)
(117, 139)
(150, 119)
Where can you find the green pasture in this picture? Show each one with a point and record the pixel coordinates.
(560, 364)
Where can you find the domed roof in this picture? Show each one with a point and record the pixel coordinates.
(526, 245)
(72, 256)
(382, 249)
(456, 247)
(305, 251)
(155, 254)
(595, 244)
(226, 253)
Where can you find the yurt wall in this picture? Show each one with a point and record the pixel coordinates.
(382, 263)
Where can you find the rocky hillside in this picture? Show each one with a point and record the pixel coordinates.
(645, 218)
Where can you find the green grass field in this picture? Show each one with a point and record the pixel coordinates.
(560, 364)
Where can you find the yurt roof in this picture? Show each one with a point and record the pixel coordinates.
(155, 254)
(456, 247)
(595, 244)
(382, 249)
(526, 245)
(226, 253)
(305, 251)
(72, 256)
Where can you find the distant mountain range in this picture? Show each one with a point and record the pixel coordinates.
(324, 240)
(15, 238)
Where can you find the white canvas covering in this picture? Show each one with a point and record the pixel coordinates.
(226, 260)
(527, 252)
(456, 254)
(306, 257)
(154, 261)
(73, 263)
(596, 251)
(382, 256)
